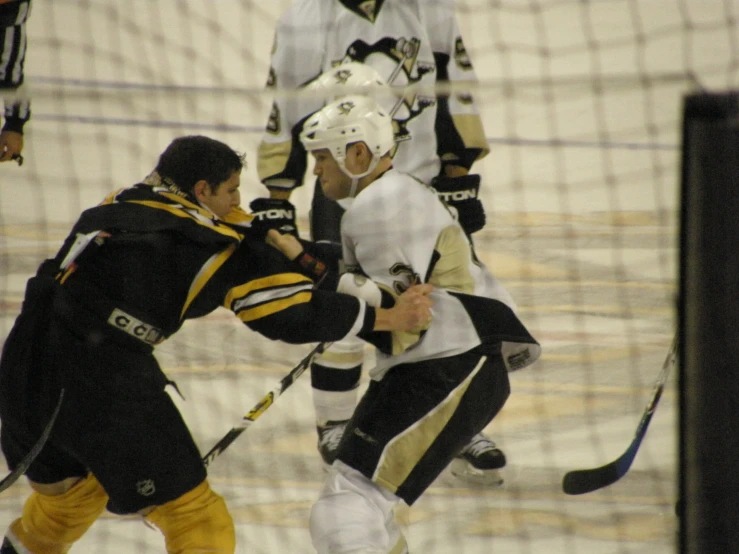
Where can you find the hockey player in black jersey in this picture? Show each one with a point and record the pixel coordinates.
(13, 16)
(398, 43)
(133, 269)
(432, 390)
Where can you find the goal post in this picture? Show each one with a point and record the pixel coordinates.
(709, 324)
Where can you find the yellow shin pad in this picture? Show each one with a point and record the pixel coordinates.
(196, 522)
(51, 524)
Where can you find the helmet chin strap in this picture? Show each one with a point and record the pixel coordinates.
(355, 177)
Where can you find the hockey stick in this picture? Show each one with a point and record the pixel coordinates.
(255, 412)
(582, 481)
(263, 404)
(26, 462)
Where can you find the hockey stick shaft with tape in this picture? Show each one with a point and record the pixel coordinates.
(263, 404)
(583, 481)
(255, 412)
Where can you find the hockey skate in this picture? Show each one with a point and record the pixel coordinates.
(479, 462)
(329, 437)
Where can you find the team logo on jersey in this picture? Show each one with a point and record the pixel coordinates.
(345, 108)
(342, 76)
(404, 53)
(145, 487)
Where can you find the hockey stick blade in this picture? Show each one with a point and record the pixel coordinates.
(263, 404)
(582, 481)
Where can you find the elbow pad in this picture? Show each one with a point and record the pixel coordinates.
(360, 287)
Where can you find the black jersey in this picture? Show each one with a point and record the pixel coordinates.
(167, 259)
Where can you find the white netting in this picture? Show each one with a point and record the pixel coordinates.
(581, 106)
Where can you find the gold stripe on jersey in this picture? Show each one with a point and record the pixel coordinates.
(469, 127)
(111, 198)
(268, 295)
(180, 207)
(403, 340)
(202, 218)
(404, 452)
(179, 199)
(272, 158)
(264, 310)
(237, 216)
(205, 273)
(265, 284)
(452, 270)
(401, 546)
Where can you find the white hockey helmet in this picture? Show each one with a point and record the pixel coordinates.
(350, 119)
(347, 78)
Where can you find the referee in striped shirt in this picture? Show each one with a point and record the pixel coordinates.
(13, 16)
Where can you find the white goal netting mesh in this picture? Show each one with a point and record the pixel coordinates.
(581, 106)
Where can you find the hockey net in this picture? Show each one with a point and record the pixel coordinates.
(581, 106)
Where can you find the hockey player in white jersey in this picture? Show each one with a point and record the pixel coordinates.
(399, 43)
(431, 391)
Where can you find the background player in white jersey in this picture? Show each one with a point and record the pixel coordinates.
(432, 390)
(402, 42)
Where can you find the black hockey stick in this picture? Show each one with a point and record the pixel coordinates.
(255, 412)
(582, 481)
(26, 462)
(263, 404)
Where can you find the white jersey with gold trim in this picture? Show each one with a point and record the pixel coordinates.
(409, 43)
(397, 232)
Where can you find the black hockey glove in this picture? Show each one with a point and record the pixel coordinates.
(462, 194)
(272, 213)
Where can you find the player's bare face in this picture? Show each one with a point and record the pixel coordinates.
(334, 182)
(225, 197)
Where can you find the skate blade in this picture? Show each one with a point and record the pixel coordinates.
(464, 471)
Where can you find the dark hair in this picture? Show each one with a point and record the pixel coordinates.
(189, 159)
